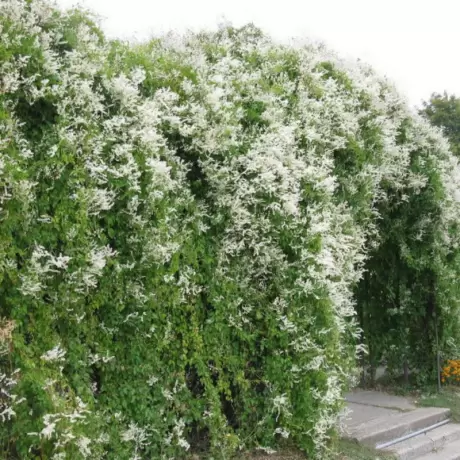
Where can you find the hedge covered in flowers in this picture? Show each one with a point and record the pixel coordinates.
(184, 227)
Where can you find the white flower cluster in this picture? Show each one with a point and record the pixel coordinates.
(63, 428)
(55, 354)
(9, 399)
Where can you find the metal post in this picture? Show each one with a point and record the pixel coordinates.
(438, 357)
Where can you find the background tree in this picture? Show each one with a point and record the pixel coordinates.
(443, 110)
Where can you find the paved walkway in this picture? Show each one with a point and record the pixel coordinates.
(380, 399)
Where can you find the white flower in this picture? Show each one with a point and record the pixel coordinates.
(55, 354)
(183, 443)
(83, 446)
(283, 432)
(99, 200)
(7, 413)
(152, 380)
(48, 431)
(281, 405)
(267, 450)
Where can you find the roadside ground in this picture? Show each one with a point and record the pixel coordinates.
(346, 450)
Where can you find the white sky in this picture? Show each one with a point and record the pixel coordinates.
(414, 42)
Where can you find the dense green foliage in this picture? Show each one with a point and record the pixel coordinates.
(443, 110)
(410, 287)
(184, 227)
(409, 292)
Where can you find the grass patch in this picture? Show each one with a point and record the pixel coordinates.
(449, 397)
(350, 450)
(283, 455)
(346, 450)
(429, 396)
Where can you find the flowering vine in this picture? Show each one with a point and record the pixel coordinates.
(184, 224)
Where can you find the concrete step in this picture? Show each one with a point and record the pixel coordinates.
(450, 451)
(380, 399)
(428, 442)
(383, 429)
(361, 413)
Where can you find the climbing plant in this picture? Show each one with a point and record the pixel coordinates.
(186, 227)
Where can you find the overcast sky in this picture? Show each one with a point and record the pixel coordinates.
(413, 42)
